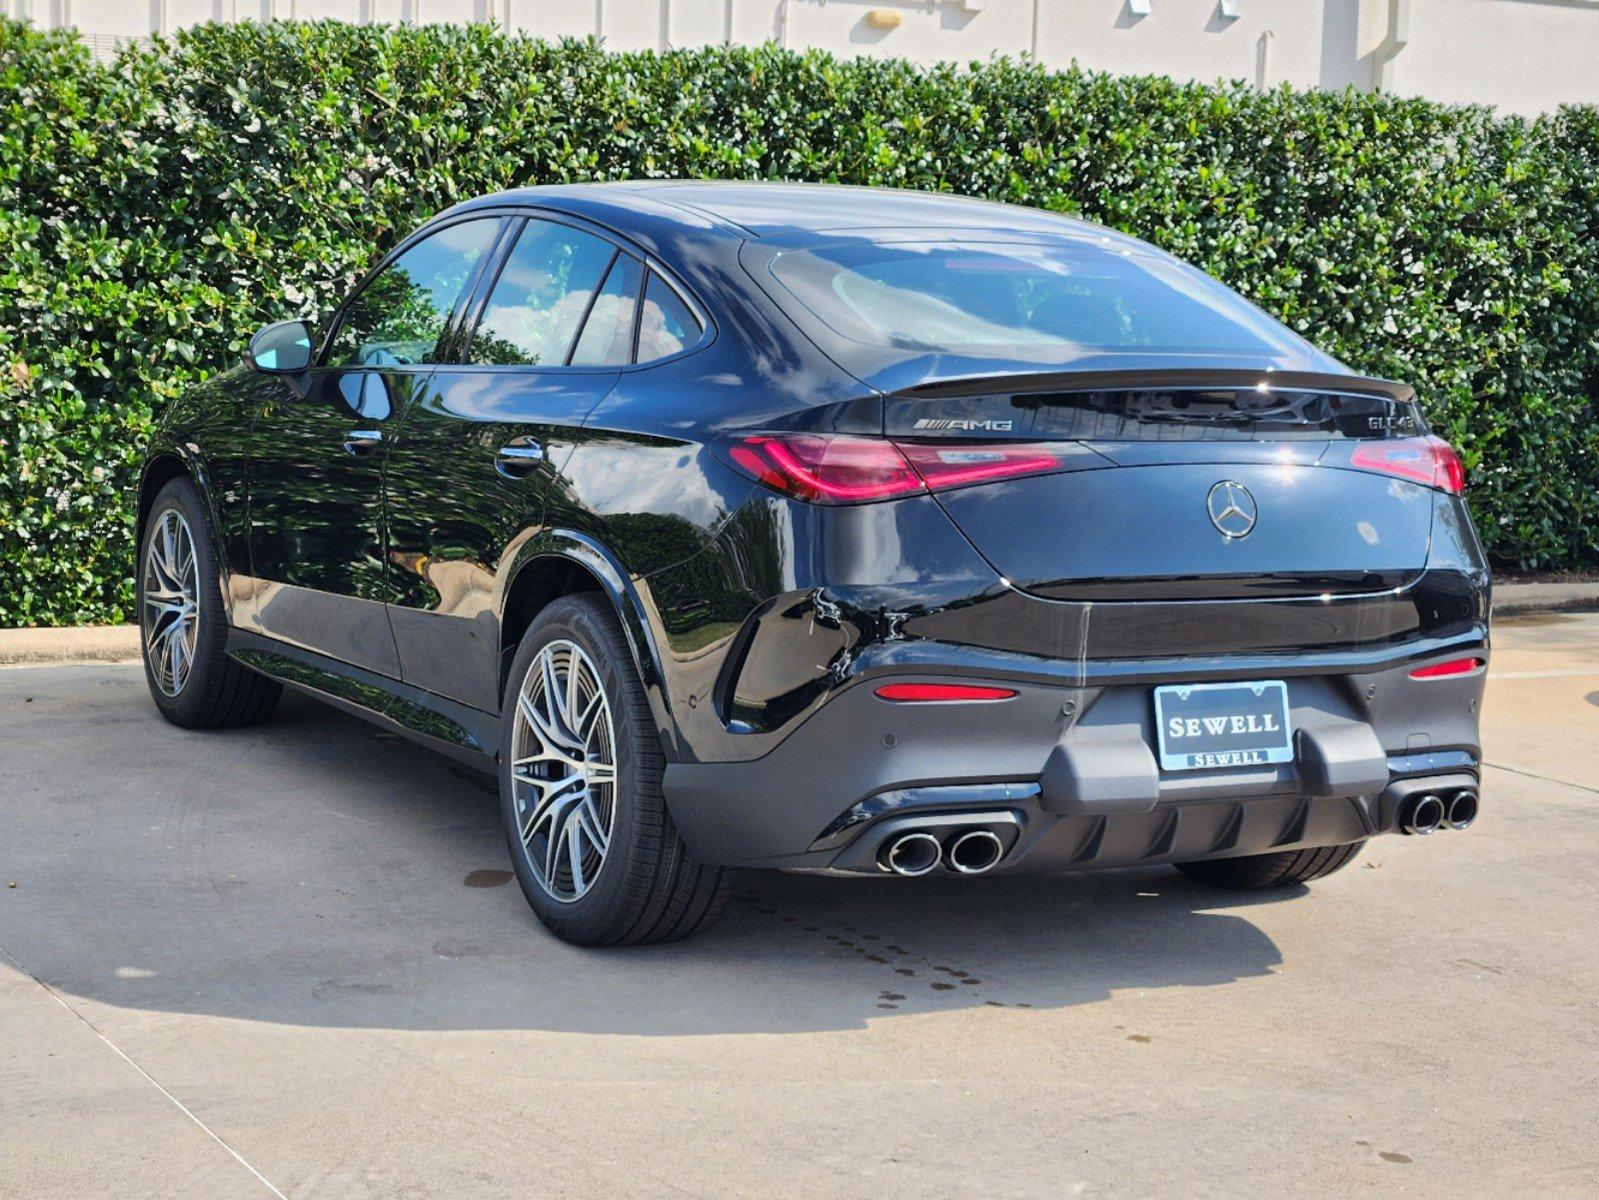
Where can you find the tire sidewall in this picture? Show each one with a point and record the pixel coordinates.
(602, 912)
(186, 706)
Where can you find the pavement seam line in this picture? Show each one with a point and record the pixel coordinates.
(154, 1082)
(1581, 787)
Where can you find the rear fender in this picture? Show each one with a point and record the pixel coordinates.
(639, 621)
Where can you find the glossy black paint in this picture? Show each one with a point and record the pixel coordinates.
(410, 562)
(443, 556)
(319, 579)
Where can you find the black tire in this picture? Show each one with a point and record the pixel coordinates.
(216, 692)
(648, 888)
(1257, 872)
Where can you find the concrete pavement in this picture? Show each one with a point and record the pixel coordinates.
(287, 960)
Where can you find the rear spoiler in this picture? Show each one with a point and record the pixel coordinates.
(1128, 379)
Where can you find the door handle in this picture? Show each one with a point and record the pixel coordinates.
(359, 441)
(518, 457)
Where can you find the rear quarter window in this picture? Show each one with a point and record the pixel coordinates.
(667, 325)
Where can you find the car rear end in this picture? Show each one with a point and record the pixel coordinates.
(1198, 593)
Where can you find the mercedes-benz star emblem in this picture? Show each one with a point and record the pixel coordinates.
(1232, 509)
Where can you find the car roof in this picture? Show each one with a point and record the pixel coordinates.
(713, 234)
(784, 210)
(766, 208)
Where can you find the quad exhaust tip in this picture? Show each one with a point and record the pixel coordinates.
(1423, 815)
(974, 852)
(910, 854)
(1447, 808)
(919, 851)
(1462, 809)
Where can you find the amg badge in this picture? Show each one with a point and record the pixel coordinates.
(974, 425)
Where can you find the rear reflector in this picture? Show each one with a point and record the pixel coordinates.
(941, 693)
(1455, 666)
(1430, 461)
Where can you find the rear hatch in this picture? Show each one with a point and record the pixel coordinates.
(1200, 490)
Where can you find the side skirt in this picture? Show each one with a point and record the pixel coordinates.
(466, 734)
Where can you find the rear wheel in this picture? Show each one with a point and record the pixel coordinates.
(594, 848)
(1257, 872)
(182, 626)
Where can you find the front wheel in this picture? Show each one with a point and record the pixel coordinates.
(594, 847)
(1257, 872)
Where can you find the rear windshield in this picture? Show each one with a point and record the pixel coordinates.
(965, 297)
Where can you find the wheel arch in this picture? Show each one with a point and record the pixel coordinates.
(160, 470)
(561, 563)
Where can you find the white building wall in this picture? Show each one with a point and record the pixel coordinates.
(1267, 43)
(1521, 55)
(1526, 55)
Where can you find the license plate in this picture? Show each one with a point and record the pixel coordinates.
(1206, 726)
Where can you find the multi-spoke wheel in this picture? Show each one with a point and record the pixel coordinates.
(563, 770)
(183, 625)
(171, 601)
(594, 848)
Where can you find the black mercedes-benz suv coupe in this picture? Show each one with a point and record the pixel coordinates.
(828, 529)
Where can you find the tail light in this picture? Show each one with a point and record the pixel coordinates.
(1430, 461)
(827, 468)
(950, 465)
(1442, 670)
(846, 469)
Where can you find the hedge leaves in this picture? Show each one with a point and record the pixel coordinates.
(154, 211)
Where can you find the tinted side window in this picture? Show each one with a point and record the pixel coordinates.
(607, 339)
(539, 300)
(666, 324)
(398, 317)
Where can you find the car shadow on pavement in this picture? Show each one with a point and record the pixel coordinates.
(315, 872)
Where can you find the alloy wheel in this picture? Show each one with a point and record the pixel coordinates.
(171, 600)
(563, 770)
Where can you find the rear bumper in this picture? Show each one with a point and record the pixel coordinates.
(1073, 769)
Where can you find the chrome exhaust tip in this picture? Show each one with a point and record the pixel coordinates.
(974, 852)
(910, 854)
(1462, 809)
(1424, 815)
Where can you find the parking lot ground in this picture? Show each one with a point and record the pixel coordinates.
(288, 961)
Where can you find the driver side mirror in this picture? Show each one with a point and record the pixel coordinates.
(282, 349)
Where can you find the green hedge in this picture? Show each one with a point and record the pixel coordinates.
(155, 210)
